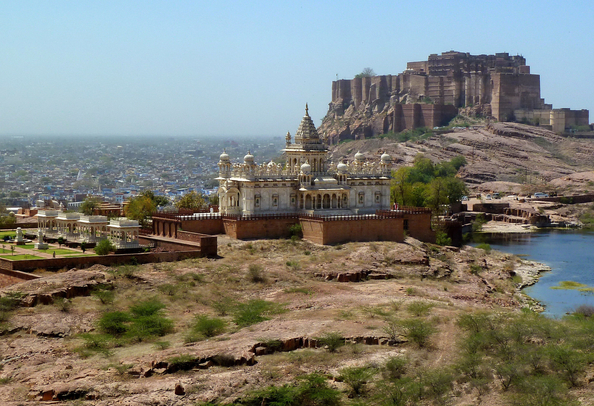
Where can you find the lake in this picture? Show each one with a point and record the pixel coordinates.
(570, 254)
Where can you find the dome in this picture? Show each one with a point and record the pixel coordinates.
(341, 167)
(359, 156)
(306, 168)
(271, 164)
(224, 157)
(386, 157)
(249, 158)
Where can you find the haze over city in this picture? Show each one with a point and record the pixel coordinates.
(240, 69)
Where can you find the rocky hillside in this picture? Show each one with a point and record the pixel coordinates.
(345, 322)
(503, 152)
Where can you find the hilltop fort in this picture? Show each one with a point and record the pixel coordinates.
(430, 93)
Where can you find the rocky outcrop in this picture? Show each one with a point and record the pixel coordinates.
(60, 286)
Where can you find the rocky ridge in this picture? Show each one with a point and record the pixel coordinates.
(39, 360)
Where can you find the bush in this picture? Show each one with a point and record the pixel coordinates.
(209, 327)
(441, 238)
(147, 308)
(418, 331)
(356, 378)
(296, 230)
(484, 246)
(254, 311)
(333, 340)
(104, 247)
(584, 310)
(114, 323)
(395, 368)
(255, 274)
(312, 390)
(419, 308)
(106, 296)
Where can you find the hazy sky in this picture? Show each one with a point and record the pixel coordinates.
(248, 68)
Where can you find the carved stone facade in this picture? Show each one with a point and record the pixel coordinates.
(307, 183)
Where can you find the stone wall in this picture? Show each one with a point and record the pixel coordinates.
(336, 232)
(108, 260)
(419, 226)
(259, 228)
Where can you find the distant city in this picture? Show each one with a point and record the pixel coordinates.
(68, 169)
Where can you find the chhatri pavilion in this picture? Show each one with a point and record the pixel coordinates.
(307, 183)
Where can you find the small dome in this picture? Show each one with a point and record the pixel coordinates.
(341, 167)
(271, 164)
(386, 157)
(306, 168)
(249, 158)
(224, 157)
(359, 156)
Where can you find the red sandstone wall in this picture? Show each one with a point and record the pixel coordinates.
(264, 228)
(335, 232)
(205, 226)
(108, 260)
(419, 227)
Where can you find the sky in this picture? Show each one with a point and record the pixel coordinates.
(246, 69)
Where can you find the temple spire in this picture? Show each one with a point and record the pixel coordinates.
(306, 110)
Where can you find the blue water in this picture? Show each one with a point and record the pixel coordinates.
(570, 254)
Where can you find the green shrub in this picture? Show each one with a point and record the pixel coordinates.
(484, 246)
(114, 323)
(296, 230)
(105, 296)
(357, 378)
(144, 327)
(104, 247)
(441, 238)
(418, 331)
(395, 368)
(255, 274)
(209, 326)
(309, 390)
(419, 308)
(147, 308)
(254, 311)
(333, 340)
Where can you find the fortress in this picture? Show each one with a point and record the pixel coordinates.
(430, 93)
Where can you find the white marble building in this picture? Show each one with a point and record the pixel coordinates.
(307, 183)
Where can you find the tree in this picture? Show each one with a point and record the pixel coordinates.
(213, 199)
(365, 73)
(104, 247)
(89, 205)
(140, 208)
(83, 246)
(61, 240)
(160, 201)
(192, 201)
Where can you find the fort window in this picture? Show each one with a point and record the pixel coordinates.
(361, 197)
(377, 197)
(405, 225)
(293, 199)
(257, 201)
(274, 200)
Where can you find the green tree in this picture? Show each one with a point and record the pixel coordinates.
(140, 208)
(104, 247)
(89, 205)
(365, 73)
(160, 201)
(192, 201)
